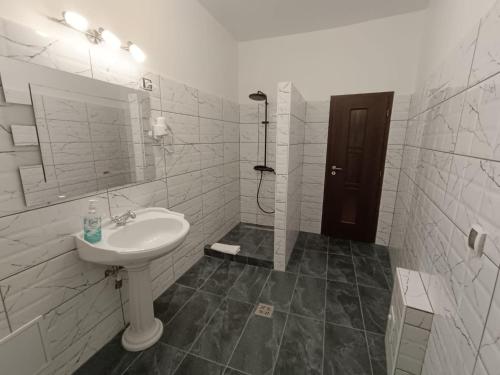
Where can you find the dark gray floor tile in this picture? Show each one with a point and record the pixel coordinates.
(339, 246)
(159, 359)
(112, 359)
(301, 240)
(222, 332)
(342, 305)
(313, 264)
(278, 290)
(249, 285)
(375, 305)
(258, 347)
(223, 278)
(189, 322)
(253, 237)
(230, 371)
(301, 351)
(383, 255)
(388, 276)
(268, 240)
(264, 252)
(345, 352)
(376, 346)
(364, 249)
(341, 268)
(309, 297)
(192, 365)
(369, 273)
(294, 261)
(200, 272)
(316, 242)
(167, 305)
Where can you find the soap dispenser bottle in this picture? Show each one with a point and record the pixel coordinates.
(92, 224)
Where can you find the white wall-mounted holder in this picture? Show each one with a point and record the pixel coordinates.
(159, 129)
(476, 239)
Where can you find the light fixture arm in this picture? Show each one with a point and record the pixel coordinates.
(95, 36)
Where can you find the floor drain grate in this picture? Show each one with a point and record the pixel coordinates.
(264, 310)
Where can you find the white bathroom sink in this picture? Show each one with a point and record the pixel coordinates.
(153, 233)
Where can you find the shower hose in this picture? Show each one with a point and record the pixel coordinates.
(258, 193)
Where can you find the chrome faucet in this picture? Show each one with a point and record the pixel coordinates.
(122, 220)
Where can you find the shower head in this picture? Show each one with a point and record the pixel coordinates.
(258, 96)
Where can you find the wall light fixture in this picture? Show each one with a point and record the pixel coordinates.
(100, 35)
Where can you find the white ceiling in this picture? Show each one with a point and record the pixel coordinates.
(256, 19)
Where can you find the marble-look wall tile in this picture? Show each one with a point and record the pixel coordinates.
(249, 113)
(181, 159)
(178, 98)
(185, 128)
(14, 115)
(487, 52)
(150, 194)
(479, 132)
(211, 154)
(26, 243)
(24, 44)
(70, 321)
(211, 131)
(40, 289)
(210, 106)
(318, 111)
(490, 345)
(183, 187)
(80, 351)
(230, 111)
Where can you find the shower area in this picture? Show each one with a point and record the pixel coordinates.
(271, 166)
(255, 233)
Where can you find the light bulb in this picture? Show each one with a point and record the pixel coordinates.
(111, 39)
(76, 21)
(136, 53)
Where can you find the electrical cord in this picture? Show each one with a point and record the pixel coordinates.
(258, 193)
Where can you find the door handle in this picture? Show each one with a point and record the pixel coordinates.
(335, 169)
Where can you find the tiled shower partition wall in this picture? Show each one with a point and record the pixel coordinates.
(40, 271)
(290, 118)
(450, 180)
(252, 153)
(315, 146)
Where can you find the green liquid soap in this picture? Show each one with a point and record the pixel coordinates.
(92, 224)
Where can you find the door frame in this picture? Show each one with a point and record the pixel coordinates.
(331, 140)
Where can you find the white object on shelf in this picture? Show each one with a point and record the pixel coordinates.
(408, 325)
(227, 249)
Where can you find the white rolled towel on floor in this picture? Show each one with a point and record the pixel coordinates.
(227, 249)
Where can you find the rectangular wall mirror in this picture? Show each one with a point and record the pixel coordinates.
(92, 135)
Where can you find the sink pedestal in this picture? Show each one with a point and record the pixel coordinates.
(144, 329)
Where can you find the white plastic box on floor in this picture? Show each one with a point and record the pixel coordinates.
(408, 325)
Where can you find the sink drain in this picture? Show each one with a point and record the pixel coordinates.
(264, 310)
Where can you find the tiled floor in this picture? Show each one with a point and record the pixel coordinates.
(256, 245)
(329, 317)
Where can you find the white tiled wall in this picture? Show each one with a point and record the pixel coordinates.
(315, 147)
(40, 271)
(289, 164)
(450, 179)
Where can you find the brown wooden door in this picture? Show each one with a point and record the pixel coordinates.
(357, 144)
